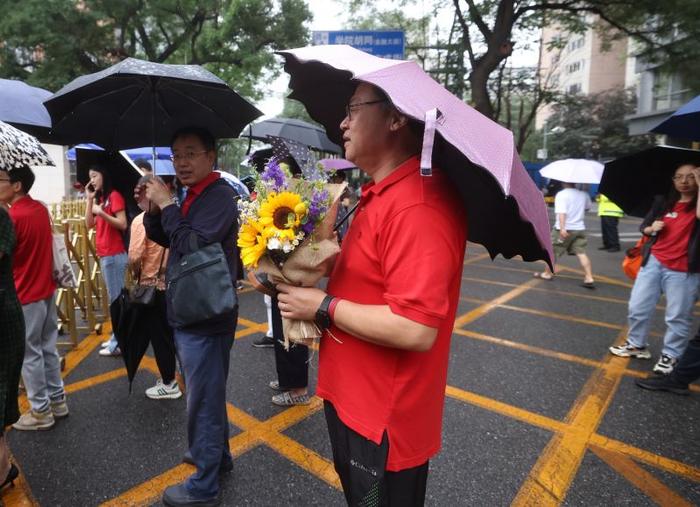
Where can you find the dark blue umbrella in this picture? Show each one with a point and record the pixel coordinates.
(292, 129)
(684, 123)
(22, 106)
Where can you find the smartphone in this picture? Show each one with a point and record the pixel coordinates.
(90, 187)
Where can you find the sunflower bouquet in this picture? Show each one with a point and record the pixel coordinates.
(287, 233)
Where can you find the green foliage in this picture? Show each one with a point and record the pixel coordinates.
(50, 42)
(593, 126)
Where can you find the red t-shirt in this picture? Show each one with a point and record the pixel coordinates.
(194, 191)
(405, 248)
(32, 264)
(671, 248)
(108, 239)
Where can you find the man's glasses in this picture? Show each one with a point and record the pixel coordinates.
(357, 105)
(188, 155)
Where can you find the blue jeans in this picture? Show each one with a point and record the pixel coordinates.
(681, 291)
(113, 271)
(205, 360)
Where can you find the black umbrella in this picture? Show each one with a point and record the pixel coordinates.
(295, 130)
(136, 103)
(633, 181)
(135, 326)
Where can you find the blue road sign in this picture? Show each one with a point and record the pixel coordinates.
(386, 44)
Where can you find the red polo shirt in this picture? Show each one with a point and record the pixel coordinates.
(32, 264)
(671, 248)
(405, 248)
(108, 239)
(194, 191)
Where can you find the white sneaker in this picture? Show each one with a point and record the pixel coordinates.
(629, 350)
(104, 344)
(110, 353)
(162, 391)
(665, 364)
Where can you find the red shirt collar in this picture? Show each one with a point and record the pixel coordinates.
(403, 170)
(199, 187)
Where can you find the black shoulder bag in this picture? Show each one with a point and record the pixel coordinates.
(145, 295)
(199, 285)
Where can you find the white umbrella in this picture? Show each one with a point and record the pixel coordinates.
(574, 170)
(18, 149)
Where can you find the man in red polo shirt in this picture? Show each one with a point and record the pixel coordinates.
(389, 312)
(33, 273)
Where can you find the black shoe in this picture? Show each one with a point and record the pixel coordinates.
(663, 383)
(11, 476)
(178, 496)
(614, 249)
(264, 342)
(603, 248)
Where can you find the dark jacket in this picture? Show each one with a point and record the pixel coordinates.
(213, 217)
(657, 212)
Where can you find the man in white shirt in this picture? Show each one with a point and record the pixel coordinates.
(569, 232)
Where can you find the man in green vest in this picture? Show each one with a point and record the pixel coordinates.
(609, 214)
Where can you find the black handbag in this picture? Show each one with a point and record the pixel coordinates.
(199, 285)
(145, 295)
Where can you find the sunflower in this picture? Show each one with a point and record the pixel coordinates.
(281, 214)
(253, 242)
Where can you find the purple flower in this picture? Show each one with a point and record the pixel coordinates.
(274, 174)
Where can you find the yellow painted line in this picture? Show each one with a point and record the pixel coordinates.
(641, 479)
(304, 457)
(600, 278)
(96, 380)
(261, 328)
(494, 303)
(255, 432)
(550, 478)
(511, 411)
(249, 323)
(85, 347)
(553, 315)
(476, 258)
(667, 464)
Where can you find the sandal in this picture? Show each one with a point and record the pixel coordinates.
(542, 277)
(286, 399)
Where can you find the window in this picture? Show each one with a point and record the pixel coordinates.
(574, 67)
(574, 88)
(669, 92)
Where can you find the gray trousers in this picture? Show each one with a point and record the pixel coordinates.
(41, 370)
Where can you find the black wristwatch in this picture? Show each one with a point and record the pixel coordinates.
(323, 318)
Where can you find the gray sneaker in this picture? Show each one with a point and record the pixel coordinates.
(59, 409)
(33, 421)
(629, 350)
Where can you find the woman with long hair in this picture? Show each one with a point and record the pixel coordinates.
(671, 265)
(106, 212)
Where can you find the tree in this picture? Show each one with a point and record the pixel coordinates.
(593, 126)
(48, 43)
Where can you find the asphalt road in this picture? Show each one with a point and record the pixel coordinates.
(537, 412)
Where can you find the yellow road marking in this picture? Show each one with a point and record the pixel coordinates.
(476, 258)
(600, 278)
(553, 315)
(550, 478)
(511, 411)
(667, 464)
(474, 314)
(643, 480)
(255, 432)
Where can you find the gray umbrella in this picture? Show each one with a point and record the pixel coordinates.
(18, 149)
(136, 103)
(295, 130)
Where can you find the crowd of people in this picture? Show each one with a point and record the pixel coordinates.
(387, 312)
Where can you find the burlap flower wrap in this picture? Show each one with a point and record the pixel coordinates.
(308, 263)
